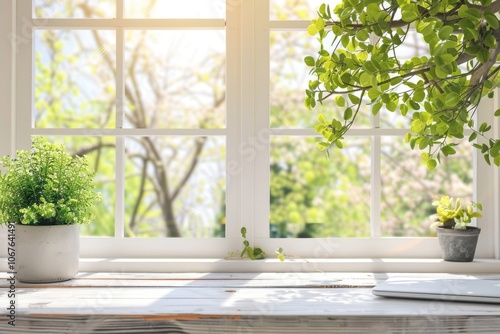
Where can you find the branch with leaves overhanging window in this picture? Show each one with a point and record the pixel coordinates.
(360, 60)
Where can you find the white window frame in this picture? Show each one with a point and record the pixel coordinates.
(247, 43)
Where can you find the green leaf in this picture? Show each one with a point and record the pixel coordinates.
(322, 145)
(337, 30)
(473, 50)
(491, 18)
(362, 35)
(369, 67)
(365, 79)
(407, 137)
(319, 128)
(410, 12)
(417, 126)
(423, 142)
(345, 40)
(469, 29)
(376, 108)
(431, 164)
(441, 128)
(418, 95)
(310, 61)
(320, 24)
(354, 99)
(312, 30)
(373, 93)
(490, 41)
(487, 159)
(495, 150)
(414, 105)
(403, 109)
(340, 101)
(447, 150)
(451, 99)
(473, 136)
(467, 12)
(396, 80)
(413, 142)
(258, 253)
(484, 127)
(391, 106)
(445, 32)
(348, 114)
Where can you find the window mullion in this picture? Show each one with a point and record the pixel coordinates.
(484, 190)
(248, 101)
(376, 182)
(24, 74)
(496, 184)
(375, 178)
(233, 120)
(262, 133)
(120, 141)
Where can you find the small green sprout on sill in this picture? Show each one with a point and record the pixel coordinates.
(256, 253)
(279, 254)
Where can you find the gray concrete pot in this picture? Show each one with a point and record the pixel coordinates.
(458, 245)
(47, 253)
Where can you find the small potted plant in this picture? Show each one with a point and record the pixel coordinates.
(45, 192)
(457, 239)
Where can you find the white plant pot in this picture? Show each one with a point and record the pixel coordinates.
(47, 253)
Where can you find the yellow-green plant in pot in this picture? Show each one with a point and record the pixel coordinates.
(457, 239)
(45, 192)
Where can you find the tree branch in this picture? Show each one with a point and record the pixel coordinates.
(199, 143)
(140, 195)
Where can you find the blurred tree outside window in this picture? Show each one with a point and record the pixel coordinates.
(173, 79)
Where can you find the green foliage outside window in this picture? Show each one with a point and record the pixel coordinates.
(359, 61)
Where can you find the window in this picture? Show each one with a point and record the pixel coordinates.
(192, 115)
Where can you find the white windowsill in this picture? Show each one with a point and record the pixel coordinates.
(381, 265)
(290, 265)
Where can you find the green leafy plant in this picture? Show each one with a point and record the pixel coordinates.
(361, 61)
(46, 186)
(450, 213)
(256, 253)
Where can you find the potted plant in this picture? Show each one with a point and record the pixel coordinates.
(45, 192)
(457, 240)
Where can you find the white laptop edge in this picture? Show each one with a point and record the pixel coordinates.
(457, 290)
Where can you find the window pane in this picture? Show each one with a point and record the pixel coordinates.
(313, 196)
(295, 9)
(74, 9)
(408, 187)
(175, 187)
(175, 9)
(289, 78)
(413, 46)
(100, 153)
(175, 79)
(74, 79)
